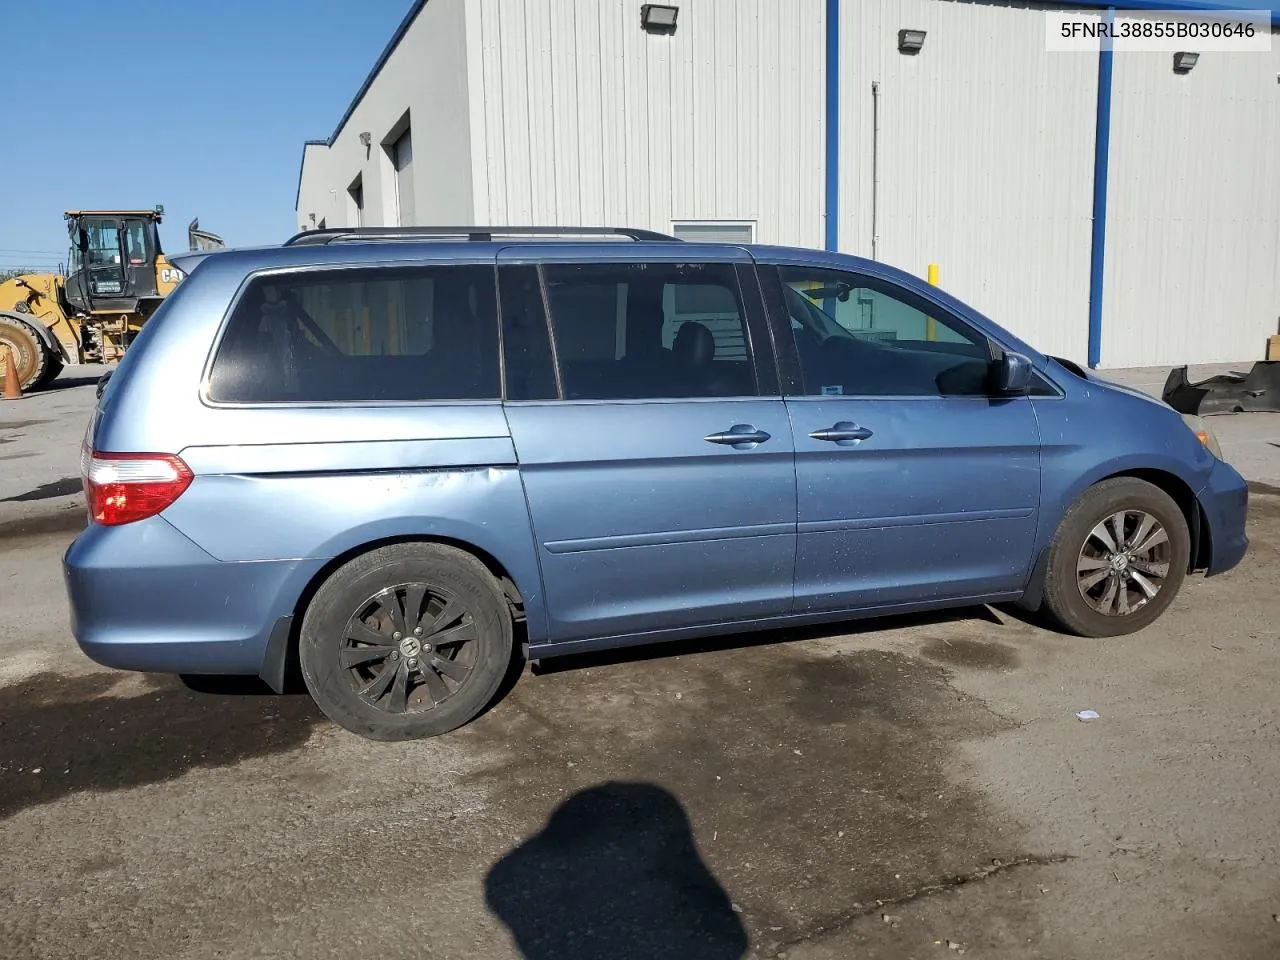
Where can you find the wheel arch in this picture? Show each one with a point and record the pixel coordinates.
(280, 662)
(1185, 497)
(1178, 490)
(42, 333)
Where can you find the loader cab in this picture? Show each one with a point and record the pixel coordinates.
(112, 262)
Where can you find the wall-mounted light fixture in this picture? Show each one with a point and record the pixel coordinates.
(366, 139)
(658, 18)
(910, 41)
(1184, 62)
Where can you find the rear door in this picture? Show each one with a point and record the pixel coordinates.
(653, 443)
(914, 482)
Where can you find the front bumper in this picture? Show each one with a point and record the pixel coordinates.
(1225, 502)
(144, 597)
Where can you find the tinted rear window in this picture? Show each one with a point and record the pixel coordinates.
(420, 333)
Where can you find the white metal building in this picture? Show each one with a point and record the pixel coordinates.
(1104, 207)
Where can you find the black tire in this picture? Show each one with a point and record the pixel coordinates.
(341, 648)
(51, 372)
(1094, 591)
(31, 356)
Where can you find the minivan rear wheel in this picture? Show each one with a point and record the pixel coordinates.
(1117, 560)
(410, 640)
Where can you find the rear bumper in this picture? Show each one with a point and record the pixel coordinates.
(1225, 501)
(144, 597)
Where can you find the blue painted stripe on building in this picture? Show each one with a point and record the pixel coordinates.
(1271, 7)
(832, 213)
(1101, 164)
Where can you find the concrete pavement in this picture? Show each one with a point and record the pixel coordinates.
(40, 439)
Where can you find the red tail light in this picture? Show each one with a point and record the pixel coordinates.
(124, 487)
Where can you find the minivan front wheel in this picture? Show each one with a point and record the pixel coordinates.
(407, 641)
(1118, 559)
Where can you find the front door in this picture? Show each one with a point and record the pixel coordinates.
(914, 483)
(141, 244)
(657, 458)
(96, 271)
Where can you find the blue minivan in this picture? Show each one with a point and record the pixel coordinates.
(399, 458)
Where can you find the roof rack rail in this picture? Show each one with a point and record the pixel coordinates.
(478, 234)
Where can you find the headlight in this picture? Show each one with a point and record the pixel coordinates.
(1201, 429)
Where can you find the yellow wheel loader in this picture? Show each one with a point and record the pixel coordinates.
(116, 278)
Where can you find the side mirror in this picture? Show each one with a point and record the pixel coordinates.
(1012, 374)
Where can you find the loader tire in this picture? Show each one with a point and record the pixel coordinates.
(51, 371)
(31, 355)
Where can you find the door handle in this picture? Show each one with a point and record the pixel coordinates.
(844, 433)
(741, 436)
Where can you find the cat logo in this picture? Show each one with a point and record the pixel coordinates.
(171, 275)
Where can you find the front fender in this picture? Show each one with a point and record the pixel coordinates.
(1096, 432)
(45, 335)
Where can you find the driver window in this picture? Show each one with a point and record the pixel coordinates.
(861, 336)
(425, 333)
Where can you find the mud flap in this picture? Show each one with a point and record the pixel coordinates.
(1252, 392)
(275, 661)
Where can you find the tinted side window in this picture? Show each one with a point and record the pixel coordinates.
(421, 333)
(861, 336)
(649, 330)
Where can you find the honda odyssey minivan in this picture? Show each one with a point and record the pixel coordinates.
(383, 455)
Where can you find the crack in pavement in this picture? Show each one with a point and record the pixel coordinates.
(928, 890)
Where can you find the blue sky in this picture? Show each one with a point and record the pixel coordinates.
(202, 107)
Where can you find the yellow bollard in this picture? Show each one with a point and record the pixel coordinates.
(930, 324)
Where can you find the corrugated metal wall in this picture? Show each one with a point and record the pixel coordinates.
(1193, 219)
(580, 117)
(985, 159)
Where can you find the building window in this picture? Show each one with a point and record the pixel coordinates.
(714, 231)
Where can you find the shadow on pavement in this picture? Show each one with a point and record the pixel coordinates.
(65, 383)
(760, 638)
(47, 491)
(62, 735)
(71, 520)
(614, 873)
